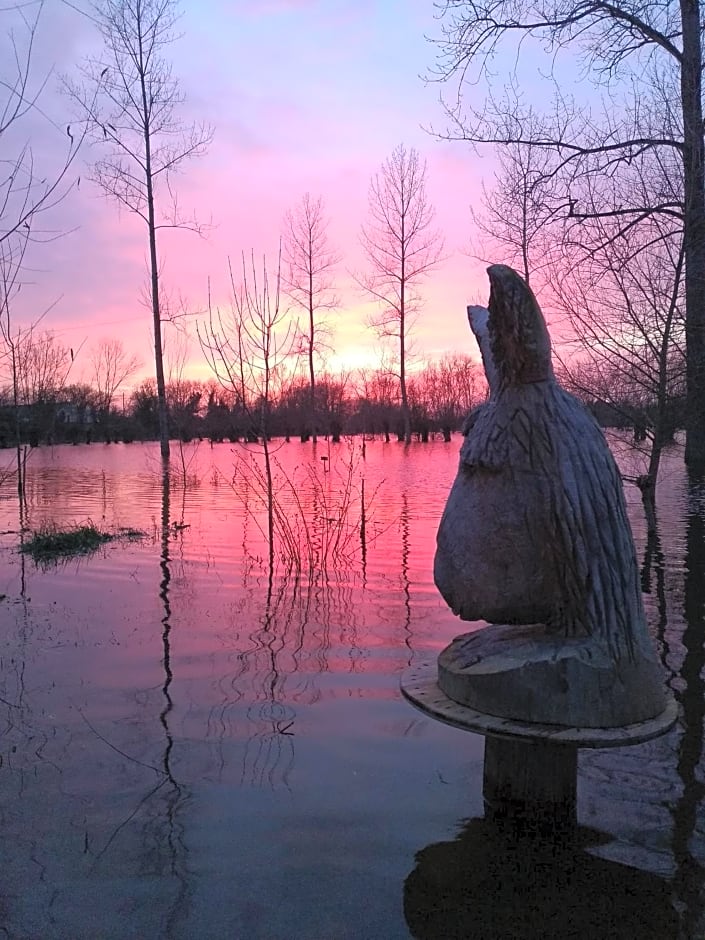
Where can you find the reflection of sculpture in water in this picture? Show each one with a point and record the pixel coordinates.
(487, 883)
(535, 533)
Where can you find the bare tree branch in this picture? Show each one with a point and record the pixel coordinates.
(647, 61)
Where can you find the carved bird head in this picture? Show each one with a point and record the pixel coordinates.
(519, 340)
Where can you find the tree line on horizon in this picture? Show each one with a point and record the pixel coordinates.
(50, 409)
(603, 208)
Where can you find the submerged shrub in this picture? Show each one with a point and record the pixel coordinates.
(50, 542)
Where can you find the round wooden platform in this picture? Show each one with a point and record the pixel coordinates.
(419, 685)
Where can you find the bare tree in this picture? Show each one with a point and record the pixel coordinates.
(516, 212)
(184, 398)
(111, 366)
(129, 100)
(625, 306)
(246, 351)
(618, 297)
(449, 388)
(31, 184)
(310, 263)
(38, 367)
(9, 272)
(378, 400)
(28, 187)
(402, 246)
(44, 364)
(648, 59)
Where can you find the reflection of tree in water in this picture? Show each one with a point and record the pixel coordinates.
(166, 619)
(162, 832)
(669, 767)
(269, 752)
(13, 699)
(278, 670)
(654, 568)
(405, 583)
(389, 593)
(158, 812)
(16, 725)
(302, 622)
(689, 879)
(174, 796)
(19, 730)
(687, 685)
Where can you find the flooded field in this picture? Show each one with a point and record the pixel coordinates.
(200, 741)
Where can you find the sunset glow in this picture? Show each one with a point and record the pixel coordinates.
(294, 110)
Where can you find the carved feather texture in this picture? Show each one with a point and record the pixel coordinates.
(519, 340)
(540, 441)
(551, 448)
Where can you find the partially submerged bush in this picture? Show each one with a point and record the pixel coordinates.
(318, 523)
(50, 543)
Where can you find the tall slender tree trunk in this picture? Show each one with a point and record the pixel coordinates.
(406, 417)
(694, 230)
(18, 431)
(524, 235)
(154, 274)
(648, 482)
(311, 371)
(402, 326)
(157, 324)
(264, 431)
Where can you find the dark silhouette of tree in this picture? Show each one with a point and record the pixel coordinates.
(647, 61)
(129, 100)
(111, 367)
(144, 405)
(30, 183)
(619, 297)
(246, 349)
(448, 389)
(309, 266)
(401, 247)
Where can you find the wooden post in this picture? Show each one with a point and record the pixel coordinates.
(532, 784)
(531, 769)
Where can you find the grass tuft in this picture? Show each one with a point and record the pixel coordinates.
(51, 543)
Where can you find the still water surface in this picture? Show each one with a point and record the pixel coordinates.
(197, 746)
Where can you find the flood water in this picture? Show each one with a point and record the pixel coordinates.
(199, 744)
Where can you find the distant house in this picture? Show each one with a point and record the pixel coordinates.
(71, 413)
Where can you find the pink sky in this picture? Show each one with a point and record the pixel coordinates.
(303, 96)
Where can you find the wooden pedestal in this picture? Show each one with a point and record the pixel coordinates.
(531, 770)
